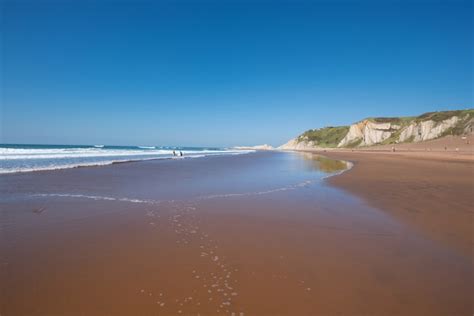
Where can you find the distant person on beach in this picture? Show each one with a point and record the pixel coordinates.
(174, 153)
(180, 153)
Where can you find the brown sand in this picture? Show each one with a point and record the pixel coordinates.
(433, 191)
(313, 250)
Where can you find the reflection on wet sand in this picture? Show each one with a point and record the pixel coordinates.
(321, 163)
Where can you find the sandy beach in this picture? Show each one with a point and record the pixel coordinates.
(266, 233)
(433, 192)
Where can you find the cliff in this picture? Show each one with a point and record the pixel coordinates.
(394, 130)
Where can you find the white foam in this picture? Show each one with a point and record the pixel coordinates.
(63, 166)
(14, 160)
(20, 153)
(349, 166)
(145, 201)
(98, 198)
(286, 188)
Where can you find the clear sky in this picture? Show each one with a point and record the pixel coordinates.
(223, 73)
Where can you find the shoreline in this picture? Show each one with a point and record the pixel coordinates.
(463, 156)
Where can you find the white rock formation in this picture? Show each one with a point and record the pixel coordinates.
(293, 144)
(427, 130)
(469, 126)
(368, 133)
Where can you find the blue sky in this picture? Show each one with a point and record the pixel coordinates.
(223, 73)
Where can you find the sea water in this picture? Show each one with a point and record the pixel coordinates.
(25, 158)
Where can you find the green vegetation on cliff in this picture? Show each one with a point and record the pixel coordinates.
(325, 137)
(403, 120)
(444, 115)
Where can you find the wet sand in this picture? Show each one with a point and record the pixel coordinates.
(258, 234)
(432, 192)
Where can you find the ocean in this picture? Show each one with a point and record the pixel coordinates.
(26, 158)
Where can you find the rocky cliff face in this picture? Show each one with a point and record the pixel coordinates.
(298, 144)
(375, 131)
(427, 130)
(295, 144)
(367, 133)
